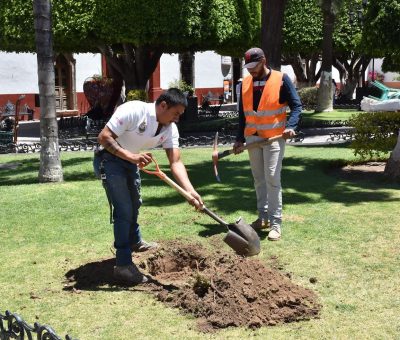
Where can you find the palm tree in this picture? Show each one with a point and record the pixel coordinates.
(330, 9)
(50, 163)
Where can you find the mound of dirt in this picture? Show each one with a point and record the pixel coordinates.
(220, 289)
(224, 290)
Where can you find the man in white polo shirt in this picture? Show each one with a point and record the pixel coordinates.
(136, 126)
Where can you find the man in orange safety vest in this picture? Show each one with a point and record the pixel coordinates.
(265, 97)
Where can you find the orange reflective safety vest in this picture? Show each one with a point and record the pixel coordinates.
(270, 118)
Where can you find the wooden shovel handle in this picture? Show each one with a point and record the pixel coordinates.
(159, 173)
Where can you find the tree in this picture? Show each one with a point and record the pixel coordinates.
(392, 168)
(350, 57)
(381, 27)
(382, 39)
(272, 18)
(303, 43)
(50, 163)
(381, 32)
(302, 40)
(133, 34)
(324, 97)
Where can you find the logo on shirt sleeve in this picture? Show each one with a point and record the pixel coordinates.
(142, 127)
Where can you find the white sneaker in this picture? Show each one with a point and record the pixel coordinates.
(275, 233)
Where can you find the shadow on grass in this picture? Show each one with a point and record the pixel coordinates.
(96, 276)
(25, 171)
(211, 229)
(307, 180)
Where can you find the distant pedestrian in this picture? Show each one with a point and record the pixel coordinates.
(237, 89)
(334, 91)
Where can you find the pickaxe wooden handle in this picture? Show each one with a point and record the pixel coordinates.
(218, 155)
(263, 142)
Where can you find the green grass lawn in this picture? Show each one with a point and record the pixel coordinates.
(339, 114)
(344, 233)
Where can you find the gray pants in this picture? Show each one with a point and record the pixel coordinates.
(266, 166)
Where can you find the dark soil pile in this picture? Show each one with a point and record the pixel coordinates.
(219, 288)
(226, 290)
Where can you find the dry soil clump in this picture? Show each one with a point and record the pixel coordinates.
(223, 290)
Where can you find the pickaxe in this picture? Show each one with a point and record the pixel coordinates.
(218, 155)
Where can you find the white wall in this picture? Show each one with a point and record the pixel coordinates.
(207, 70)
(18, 71)
(169, 70)
(87, 65)
(376, 65)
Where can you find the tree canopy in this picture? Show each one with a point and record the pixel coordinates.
(382, 27)
(382, 32)
(174, 26)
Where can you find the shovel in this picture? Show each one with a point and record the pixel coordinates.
(241, 237)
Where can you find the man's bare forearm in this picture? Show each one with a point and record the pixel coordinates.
(112, 146)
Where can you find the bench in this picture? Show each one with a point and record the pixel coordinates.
(386, 92)
(6, 137)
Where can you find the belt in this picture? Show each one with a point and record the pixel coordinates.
(99, 151)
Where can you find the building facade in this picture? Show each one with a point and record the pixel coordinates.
(210, 76)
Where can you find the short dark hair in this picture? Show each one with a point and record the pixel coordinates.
(172, 97)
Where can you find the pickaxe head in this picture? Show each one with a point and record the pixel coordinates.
(215, 157)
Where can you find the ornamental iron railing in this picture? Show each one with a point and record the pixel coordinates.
(12, 326)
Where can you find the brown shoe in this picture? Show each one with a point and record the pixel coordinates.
(275, 233)
(129, 274)
(143, 246)
(260, 223)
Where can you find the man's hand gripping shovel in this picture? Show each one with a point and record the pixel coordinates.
(241, 237)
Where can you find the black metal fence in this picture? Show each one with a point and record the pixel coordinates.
(79, 134)
(12, 326)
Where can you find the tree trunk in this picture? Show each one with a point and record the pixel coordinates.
(392, 168)
(351, 70)
(187, 67)
(50, 163)
(236, 75)
(325, 95)
(135, 64)
(272, 18)
(305, 69)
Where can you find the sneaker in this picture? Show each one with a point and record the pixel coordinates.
(129, 274)
(275, 233)
(260, 223)
(144, 246)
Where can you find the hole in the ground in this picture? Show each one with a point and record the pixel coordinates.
(177, 261)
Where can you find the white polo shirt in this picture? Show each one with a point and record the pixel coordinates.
(135, 124)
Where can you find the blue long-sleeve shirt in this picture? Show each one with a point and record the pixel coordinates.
(287, 94)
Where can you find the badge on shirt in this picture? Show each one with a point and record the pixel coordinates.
(142, 127)
(161, 140)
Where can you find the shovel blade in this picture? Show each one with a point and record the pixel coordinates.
(242, 238)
